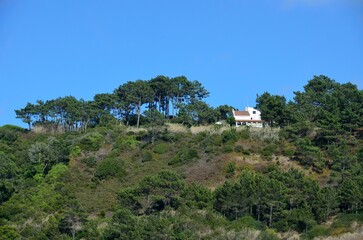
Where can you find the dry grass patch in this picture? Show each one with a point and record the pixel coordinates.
(265, 134)
(177, 128)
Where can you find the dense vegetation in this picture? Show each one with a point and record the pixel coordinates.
(80, 174)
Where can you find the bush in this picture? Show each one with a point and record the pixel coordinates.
(7, 232)
(75, 151)
(244, 134)
(231, 169)
(246, 151)
(147, 156)
(289, 151)
(238, 148)
(248, 222)
(184, 156)
(9, 133)
(269, 234)
(125, 143)
(316, 231)
(90, 161)
(269, 150)
(161, 148)
(110, 167)
(91, 141)
(227, 149)
(229, 135)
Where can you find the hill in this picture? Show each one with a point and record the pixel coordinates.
(101, 169)
(178, 183)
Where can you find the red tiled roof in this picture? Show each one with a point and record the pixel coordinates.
(241, 113)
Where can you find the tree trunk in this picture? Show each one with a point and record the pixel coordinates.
(167, 107)
(138, 114)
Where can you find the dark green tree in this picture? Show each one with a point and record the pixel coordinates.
(273, 109)
(132, 95)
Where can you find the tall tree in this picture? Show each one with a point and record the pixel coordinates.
(134, 95)
(273, 108)
(25, 114)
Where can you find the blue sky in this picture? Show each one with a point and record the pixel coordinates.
(235, 48)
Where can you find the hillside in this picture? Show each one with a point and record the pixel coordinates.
(188, 183)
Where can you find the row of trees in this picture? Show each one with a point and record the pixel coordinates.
(324, 102)
(163, 96)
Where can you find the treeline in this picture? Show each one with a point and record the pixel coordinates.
(161, 98)
(324, 104)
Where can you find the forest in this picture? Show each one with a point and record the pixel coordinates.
(147, 161)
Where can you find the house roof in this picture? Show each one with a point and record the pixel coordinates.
(241, 113)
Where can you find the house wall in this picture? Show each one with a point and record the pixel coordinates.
(254, 113)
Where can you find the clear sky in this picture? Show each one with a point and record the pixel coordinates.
(235, 48)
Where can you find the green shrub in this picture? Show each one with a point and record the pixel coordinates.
(9, 133)
(246, 151)
(147, 156)
(346, 220)
(161, 148)
(244, 134)
(238, 148)
(184, 156)
(216, 140)
(268, 234)
(231, 169)
(91, 141)
(227, 149)
(75, 151)
(289, 151)
(7, 232)
(127, 142)
(110, 167)
(248, 222)
(316, 231)
(90, 161)
(229, 135)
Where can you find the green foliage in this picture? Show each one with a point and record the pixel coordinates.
(231, 169)
(147, 156)
(227, 148)
(231, 121)
(197, 196)
(269, 234)
(126, 142)
(90, 161)
(184, 156)
(8, 233)
(273, 108)
(269, 150)
(110, 167)
(315, 232)
(91, 141)
(248, 222)
(289, 151)
(229, 136)
(56, 173)
(75, 151)
(244, 134)
(161, 148)
(10, 133)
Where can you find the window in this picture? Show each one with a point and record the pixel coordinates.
(254, 112)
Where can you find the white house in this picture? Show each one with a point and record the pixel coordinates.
(249, 117)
